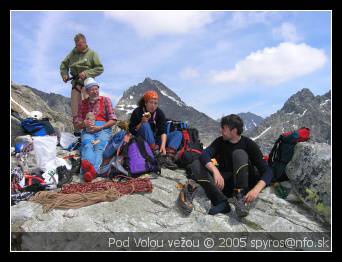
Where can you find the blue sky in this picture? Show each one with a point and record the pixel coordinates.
(219, 62)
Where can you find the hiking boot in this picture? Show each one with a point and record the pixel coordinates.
(76, 166)
(239, 202)
(222, 207)
(185, 198)
(167, 162)
(64, 176)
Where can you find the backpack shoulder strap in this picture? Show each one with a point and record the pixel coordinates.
(141, 146)
(272, 155)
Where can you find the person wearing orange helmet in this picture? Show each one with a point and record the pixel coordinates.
(149, 122)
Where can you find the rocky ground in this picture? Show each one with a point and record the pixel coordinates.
(158, 211)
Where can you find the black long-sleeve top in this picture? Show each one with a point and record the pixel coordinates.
(157, 123)
(222, 151)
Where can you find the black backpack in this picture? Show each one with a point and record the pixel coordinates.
(283, 150)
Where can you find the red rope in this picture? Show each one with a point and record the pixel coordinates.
(137, 185)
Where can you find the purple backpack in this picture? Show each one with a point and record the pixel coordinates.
(138, 158)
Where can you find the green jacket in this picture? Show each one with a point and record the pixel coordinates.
(86, 61)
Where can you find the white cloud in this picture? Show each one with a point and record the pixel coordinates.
(240, 20)
(188, 73)
(150, 23)
(272, 66)
(288, 32)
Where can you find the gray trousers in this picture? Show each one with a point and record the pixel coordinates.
(244, 176)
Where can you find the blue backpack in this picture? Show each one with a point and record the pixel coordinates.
(173, 125)
(33, 127)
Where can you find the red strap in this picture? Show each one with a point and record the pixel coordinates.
(30, 178)
(196, 151)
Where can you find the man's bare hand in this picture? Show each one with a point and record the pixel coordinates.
(251, 196)
(162, 150)
(219, 181)
(88, 123)
(65, 78)
(144, 119)
(94, 129)
(82, 75)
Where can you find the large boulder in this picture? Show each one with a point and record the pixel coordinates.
(310, 174)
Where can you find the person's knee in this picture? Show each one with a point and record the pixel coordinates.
(101, 145)
(178, 134)
(198, 171)
(145, 126)
(108, 152)
(86, 142)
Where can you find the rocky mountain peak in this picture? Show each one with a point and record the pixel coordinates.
(298, 102)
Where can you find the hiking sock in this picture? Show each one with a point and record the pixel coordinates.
(222, 207)
(87, 166)
(88, 176)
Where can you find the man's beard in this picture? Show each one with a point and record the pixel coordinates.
(93, 99)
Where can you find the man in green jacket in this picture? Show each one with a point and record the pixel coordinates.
(82, 63)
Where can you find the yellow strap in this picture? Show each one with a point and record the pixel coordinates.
(203, 180)
(240, 168)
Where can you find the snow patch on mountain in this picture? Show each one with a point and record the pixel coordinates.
(264, 132)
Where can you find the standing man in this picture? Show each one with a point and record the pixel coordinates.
(82, 63)
(236, 175)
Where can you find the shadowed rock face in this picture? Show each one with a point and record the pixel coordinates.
(301, 109)
(172, 105)
(310, 174)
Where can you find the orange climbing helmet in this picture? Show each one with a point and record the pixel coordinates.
(150, 95)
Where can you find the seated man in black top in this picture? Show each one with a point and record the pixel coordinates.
(236, 175)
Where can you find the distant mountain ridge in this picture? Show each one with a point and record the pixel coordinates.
(250, 120)
(301, 109)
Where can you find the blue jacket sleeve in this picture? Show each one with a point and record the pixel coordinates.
(257, 160)
(210, 152)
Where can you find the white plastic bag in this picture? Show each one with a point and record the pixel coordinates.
(62, 162)
(67, 139)
(45, 151)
